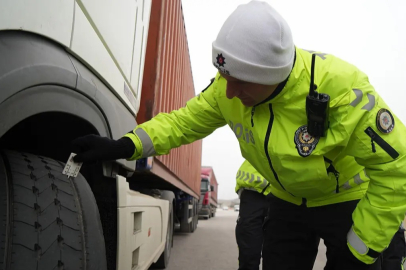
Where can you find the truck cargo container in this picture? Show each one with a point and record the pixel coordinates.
(76, 67)
(208, 193)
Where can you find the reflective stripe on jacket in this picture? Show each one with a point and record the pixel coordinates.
(249, 178)
(360, 146)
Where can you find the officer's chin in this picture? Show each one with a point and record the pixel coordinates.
(248, 103)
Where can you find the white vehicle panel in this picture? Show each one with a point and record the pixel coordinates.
(143, 224)
(140, 45)
(115, 22)
(50, 18)
(87, 45)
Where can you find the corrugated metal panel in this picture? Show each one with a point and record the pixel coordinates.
(168, 84)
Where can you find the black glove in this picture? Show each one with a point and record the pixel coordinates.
(92, 148)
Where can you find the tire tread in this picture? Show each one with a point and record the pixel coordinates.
(43, 202)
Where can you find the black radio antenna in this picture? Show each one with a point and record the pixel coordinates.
(312, 91)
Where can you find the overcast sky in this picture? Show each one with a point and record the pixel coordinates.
(370, 34)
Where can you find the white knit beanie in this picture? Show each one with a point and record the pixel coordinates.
(255, 45)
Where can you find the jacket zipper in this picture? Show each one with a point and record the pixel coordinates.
(333, 170)
(381, 142)
(268, 133)
(252, 116)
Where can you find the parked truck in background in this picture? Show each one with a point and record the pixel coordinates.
(76, 67)
(208, 193)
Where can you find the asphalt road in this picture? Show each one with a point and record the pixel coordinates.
(213, 246)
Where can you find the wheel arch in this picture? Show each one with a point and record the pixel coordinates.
(38, 77)
(48, 97)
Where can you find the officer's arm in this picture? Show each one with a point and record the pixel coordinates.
(380, 147)
(199, 118)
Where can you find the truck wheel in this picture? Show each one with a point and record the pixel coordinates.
(196, 217)
(163, 261)
(185, 225)
(192, 224)
(49, 221)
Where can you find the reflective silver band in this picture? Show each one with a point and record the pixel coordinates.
(252, 178)
(371, 103)
(358, 180)
(356, 242)
(263, 182)
(357, 100)
(346, 185)
(147, 145)
(247, 177)
(371, 100)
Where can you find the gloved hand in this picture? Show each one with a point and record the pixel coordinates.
(92, 148)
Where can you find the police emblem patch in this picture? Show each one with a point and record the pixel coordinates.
(220, 60)
(305, 143)
(385, 121)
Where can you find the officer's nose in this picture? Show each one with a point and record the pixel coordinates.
(232, 91)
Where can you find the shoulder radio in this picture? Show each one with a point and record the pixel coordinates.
(317, 108)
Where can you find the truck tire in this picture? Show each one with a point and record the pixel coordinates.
(196, 216)
(185, 225)
(192, 223)
(163, 261)
(49, 221)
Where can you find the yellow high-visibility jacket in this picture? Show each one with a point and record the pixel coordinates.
(249, 178)
(364, 143)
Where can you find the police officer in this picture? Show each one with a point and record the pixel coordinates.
(252, 189)
(319, 177)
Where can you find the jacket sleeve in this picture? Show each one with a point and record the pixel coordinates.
(199, 118)
(376, 140)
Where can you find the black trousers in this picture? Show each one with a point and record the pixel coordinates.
(248, 232)
(394, 256)
(292, 233)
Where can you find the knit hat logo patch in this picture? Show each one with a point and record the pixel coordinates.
(220, 60)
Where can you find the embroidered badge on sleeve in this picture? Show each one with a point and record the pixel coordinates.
(385, 121)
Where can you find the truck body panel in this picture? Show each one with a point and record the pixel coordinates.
(115, 53)
(102, 15)
(143, 225)
(39, 17)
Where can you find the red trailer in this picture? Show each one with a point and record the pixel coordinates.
(168, 85)
(208, 193)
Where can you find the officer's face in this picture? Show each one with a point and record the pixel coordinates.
(250, 94)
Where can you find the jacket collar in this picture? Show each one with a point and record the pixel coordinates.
(286, 89)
